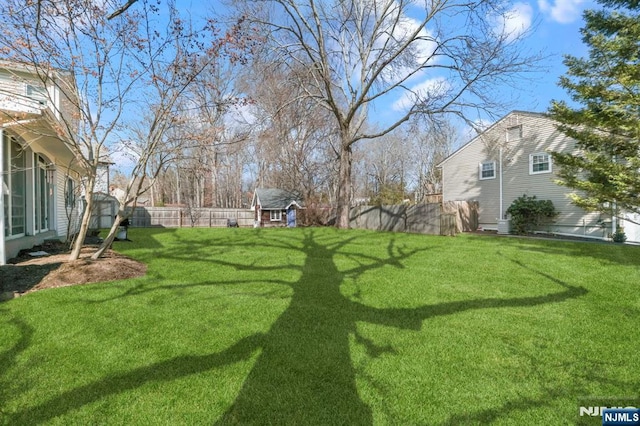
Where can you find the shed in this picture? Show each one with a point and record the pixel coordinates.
(275, 207)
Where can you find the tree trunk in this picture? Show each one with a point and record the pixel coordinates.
(343, 198)
(84, 227)
(178, 187)
(110, 237)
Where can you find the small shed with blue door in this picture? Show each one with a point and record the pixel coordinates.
(275, 207)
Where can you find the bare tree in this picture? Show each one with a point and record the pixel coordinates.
(292, 136)
(431, 57)
(74, 38)
(148, 53)
(431, 142)
(385, 168)
(176, 65)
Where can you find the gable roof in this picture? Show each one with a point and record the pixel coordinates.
(488, 129)
(274, 198)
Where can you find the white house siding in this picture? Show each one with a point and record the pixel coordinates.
(11, 86)
(28, 113)
(68, 217)
(461, 174)
(460, 181)
(57, 218)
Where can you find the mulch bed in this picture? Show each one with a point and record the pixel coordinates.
(26, 273)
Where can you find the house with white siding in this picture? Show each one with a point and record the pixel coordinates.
(39, 178)
(512, 158)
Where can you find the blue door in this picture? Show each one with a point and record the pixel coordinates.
(291, 217)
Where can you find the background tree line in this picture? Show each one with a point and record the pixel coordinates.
(276, 93)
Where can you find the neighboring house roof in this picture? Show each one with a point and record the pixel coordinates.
(274, 199)
(488, 129)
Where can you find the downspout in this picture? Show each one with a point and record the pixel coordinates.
(500, 181)
(2, 188)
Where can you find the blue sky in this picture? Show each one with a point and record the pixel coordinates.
(554, 26)
(556, 32)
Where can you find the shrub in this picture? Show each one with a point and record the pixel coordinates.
(619, 236)
(528, 213)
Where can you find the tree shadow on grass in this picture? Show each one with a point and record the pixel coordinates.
(304, 373)
(601, 251)
(578, 390)
(8, 357)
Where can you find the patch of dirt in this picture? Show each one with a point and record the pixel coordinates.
(26, 273)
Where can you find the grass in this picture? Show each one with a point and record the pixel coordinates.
(318, 326)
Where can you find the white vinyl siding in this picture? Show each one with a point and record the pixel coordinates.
(538, 135)
(487, 170)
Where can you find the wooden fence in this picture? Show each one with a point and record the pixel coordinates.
(179, 217)
(437, 219)
(466, 214)
(448, 218)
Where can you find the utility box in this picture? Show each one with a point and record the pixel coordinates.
(504, 226)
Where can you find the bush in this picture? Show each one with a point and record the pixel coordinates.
(527, 213)
(619, 236)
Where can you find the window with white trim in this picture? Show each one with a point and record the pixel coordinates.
(43, 193)
(487, 170)
(70, 193)
(15, 179)
(276, 215)
(37, 93)
(539, 163)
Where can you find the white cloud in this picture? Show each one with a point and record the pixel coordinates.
(424, 45)
(471, 130)
(562, 11)
(123, 157)
(241, 114)
(428, 89)
(515, 21)
(395, 29)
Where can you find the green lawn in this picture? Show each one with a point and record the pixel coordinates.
(319, 326)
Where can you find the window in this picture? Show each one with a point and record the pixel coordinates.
(37, 93)
(43, 192)
(514, 133)
(276, 215)
(488, 170)
(15, 202)
(539, 163)
(69, 193)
